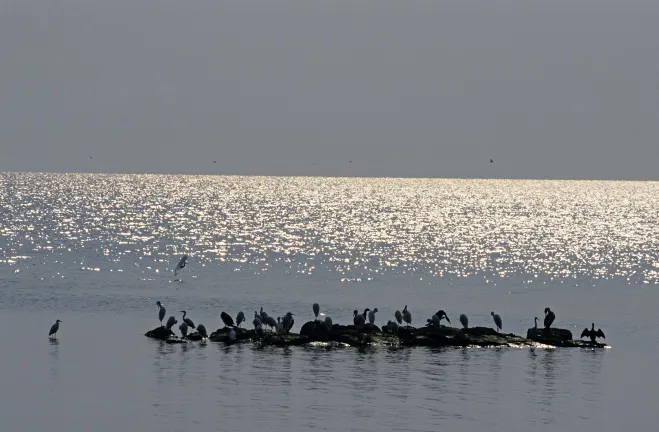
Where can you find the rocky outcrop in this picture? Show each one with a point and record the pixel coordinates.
(551, 336)
(222, 335)
(160, 333)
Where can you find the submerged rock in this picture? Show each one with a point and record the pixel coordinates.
(160, 333)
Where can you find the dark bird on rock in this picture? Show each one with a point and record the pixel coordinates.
(226, 319)
(549, 318)
(188, 321)
(592, 334)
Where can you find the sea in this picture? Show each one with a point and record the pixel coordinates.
(97, 251)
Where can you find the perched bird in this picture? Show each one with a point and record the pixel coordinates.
(535, 326)
(316, 309)
(464, 321)
(257, 320)
(259, 330)
(270, 322)
(440, 314)
(549, 318)
(161, 312)
(226, 319)
(371, 315)
(288, 322)
(358, 319)
(328, 323)
(592, 334)
(392, 326)
(188, 321)
(365, 313)
(240, 318)
(263, 314)
(170, 322)
(53, 329)
(407, 316)
(182, 262)
(232, 335)
(399, 317)
(280, 326)
(435, 320)
(202, 330)
(184, 329)
(497, 320)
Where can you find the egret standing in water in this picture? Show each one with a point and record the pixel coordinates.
(161, 312)
(182, 262)
(240, 318)
(55, 327)
(371, 315)
(316, 309)
(188, 321)
(549, 318)
(399, 317)
(497, 321)
(464, 321)
(407, 316)
(184, 329)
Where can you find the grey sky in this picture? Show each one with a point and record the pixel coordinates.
(560, 89)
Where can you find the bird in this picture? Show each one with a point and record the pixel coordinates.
(288, 322)
(182, 262)
(407, 316)
(270, 322)
(464, 320)
(184, 329)
(535, 326)
(592, 334)
(392, 326)
(497, 320)
(399, 317)
(328, 323)
(188, 321)
(161, 312)
(259, 330)
(371, 315)
(53, 329)
(435, 320)
(491, 160)
(257, 320)
(202, 330)
(240, 318)
(280, 327)
(365, 313)
(358, 319)
(440, 314)
(263, 314)
(232, 335)
(226, 319)
(549, 318)
(170, 322)
(316, 309)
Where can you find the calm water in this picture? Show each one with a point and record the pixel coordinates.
(97, 252)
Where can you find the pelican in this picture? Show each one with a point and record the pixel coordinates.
(202, 330)
(188, 321)
(358, 319)
(240, 318)
(464, 320)
(232, 335)
(316, 309)
(497, 320)
(549, 318)
(592, 334)
(184, 329)
(407, 316)
(55, 327)
(328, 323)
(182, 262)
(371, 315)
(226, 319)
(161, 312)
(399, 317)
(288, 322)
(170, 322)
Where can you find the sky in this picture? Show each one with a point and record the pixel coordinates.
(432, 88)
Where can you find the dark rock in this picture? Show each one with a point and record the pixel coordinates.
(160, 333)
(549, 336)
(242, 334)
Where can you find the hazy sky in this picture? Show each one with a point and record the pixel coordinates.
(548, 89)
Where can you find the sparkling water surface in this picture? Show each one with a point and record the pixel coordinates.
(97, 252)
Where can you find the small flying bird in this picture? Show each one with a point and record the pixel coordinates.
(182, 262)
(497, 321)
(407, 316)
(188, 321)
(316, 309)
(240, 318)
(592, 334)
(226, 319)
(53, 329)
(170, 322)
(399, 317)
(549, 318)
(161, 312)
(371, 315)
(464, 321)
(184, 329)
(202, 330)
